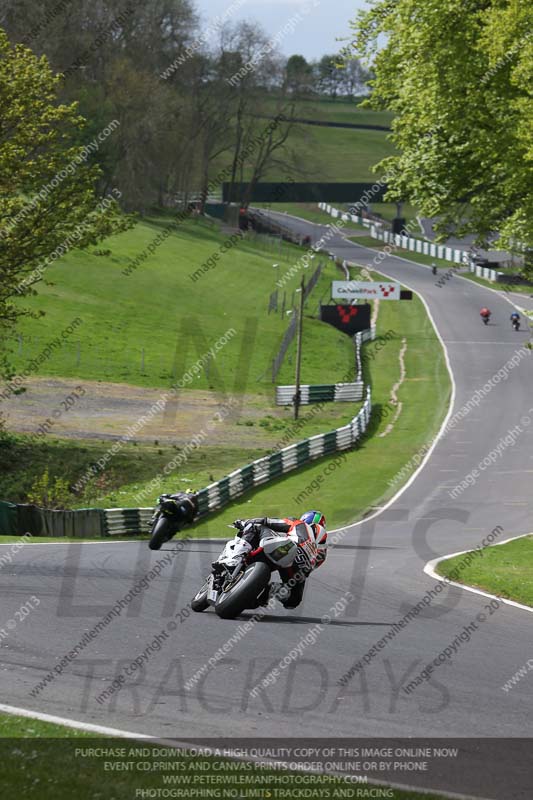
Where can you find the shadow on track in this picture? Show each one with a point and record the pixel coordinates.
(311, 620)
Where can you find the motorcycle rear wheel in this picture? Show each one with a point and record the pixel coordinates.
(245, 592)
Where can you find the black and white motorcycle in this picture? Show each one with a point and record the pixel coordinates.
(172, 513)
(241, 578)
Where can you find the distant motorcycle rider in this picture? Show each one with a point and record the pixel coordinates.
(515, 320)
(293, 579)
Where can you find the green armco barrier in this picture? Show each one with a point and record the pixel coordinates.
(16, 520)
(8, 519)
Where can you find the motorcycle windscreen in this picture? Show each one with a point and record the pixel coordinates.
(281, 551)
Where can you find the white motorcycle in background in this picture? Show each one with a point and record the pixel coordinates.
(241, 580)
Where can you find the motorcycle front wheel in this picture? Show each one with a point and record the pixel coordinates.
(162, 532)
(199, 601)
(244, 592)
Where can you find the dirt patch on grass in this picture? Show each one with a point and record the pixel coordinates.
(107, 410)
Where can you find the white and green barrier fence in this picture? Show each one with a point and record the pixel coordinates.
(273, 466)
(17, 520)
(422, 246)
(345, 216)
(406, 242)
(119, 521)
(331, 392)
(321, 393)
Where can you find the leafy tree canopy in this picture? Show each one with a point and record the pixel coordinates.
(47, 182)
(459, 75)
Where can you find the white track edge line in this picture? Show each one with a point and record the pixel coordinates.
(176, 743)
(429, 569)
(70, 723)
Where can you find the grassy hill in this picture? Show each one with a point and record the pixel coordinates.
(149, 327)
(341, 110)
(148, 312)
(329, 154)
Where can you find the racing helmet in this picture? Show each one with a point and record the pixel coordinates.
(314, 518)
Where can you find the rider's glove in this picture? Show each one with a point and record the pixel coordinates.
(239, 524)
(249, 527)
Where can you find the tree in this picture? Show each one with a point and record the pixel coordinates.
(251, 66)
(458, 77)
(47, 198)
(112, 55)
(353, 77)
(329, 75)
(270, 146)
(298, 75)
(213, 110)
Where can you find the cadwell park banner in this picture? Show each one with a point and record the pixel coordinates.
(365, 290)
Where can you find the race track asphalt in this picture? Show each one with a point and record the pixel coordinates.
(380, 561)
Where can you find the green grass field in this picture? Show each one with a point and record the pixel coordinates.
(501, 287)
(338, 154)
(349, 489)
(150, 327)
(505, 570)
(341, 110)
(326, 154)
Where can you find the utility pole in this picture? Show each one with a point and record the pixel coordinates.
(297, 394)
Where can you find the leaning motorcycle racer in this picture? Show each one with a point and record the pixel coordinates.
(249, 536)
